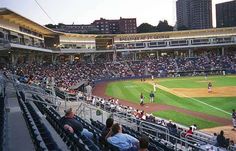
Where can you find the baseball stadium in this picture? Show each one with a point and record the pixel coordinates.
(175, 89)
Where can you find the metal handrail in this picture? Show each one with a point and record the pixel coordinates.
(197, 137)
(198, 134)
(141, 128)
(33, 100)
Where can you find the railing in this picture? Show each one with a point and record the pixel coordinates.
(86, 111)
(2, 86)
(4, 44)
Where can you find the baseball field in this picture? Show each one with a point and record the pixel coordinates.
(184, 100)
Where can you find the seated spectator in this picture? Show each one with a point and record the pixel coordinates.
(169, 125)
(194, 127)
(221, 141)
(174, 130)
(106, 130)
(143, 143)
(214, 139)
(68, 128)
(71, 124)
(189, 132)
(123, 141)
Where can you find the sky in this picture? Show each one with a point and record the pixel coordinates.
(86, 11)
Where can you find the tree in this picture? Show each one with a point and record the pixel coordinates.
(60, 24)
(145, 28)
(164, 26)
(50, 26)
(183, 28)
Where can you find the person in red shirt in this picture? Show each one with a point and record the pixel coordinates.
(189, 132)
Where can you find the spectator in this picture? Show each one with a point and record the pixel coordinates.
(194, 127)
(143, 143)
(189, 132)
(221, 141)
(234, 119)
(214, 139)
(123, 141)
(88, 91)
(105, 131)
(71, 124)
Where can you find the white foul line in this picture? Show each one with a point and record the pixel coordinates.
(198, 101)
(208, 105)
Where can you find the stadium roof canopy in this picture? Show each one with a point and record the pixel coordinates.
(15, 18)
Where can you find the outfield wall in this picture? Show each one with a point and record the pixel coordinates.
(171, 74)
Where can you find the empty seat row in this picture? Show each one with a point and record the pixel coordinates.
(44, 132)
(34, 132)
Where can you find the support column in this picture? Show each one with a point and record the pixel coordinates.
(223, 51)
(108, 56)
(92, 57)
(40, 58)
(31, 57)
(190, 53)
(114, 56)
(135, 56)
(72, 58)
(54, 58)
(14, 58)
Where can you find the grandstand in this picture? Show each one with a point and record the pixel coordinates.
(45, 72)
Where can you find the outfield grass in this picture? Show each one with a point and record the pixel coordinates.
(185, 119)
(130, 90)
(224, 103)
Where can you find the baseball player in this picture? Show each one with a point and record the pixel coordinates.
(209, 87)
(141, 99)
(152, 77)
(151, 97)
(155, 87)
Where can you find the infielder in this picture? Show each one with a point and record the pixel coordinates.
(141, 99)
(151, 97)
(155, 87)
(209, 87)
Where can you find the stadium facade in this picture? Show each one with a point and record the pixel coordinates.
(23, 40)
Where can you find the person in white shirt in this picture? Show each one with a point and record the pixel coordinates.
(155, 87)
(89, 91)
(194, 127)
(152, 77)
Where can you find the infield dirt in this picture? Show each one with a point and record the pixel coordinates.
(229, 91)
(203, 92)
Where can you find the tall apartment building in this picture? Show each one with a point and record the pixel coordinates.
(121, 26)
(182, 13)
(226, 14)
(194, 14)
